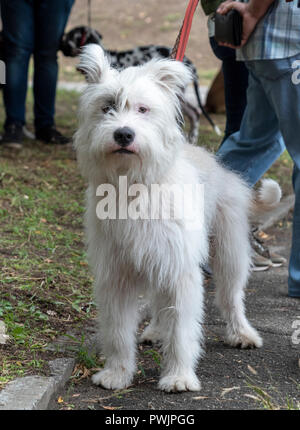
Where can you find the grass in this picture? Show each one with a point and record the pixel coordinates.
(45, 285)
(206, 76)
(271, 400)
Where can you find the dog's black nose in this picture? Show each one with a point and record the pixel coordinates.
(124, 136)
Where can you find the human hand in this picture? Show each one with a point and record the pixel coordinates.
(250, 19)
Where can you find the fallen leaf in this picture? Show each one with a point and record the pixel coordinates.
(51, 313)
(200, 398)
(60, 400)
(80, 372)
(253, 371)
(263, 235)
(228, 390)
(252, 397)
(110, 408)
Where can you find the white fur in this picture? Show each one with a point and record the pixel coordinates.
(158, 258)
(269, 192)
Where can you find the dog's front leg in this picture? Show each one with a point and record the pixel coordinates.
(181, 318)
(118, 314)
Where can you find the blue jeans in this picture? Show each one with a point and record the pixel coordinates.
(32, 27)
(235, 86)
(271, 122)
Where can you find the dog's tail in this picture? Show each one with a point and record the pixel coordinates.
(214, 126)
(266, 197)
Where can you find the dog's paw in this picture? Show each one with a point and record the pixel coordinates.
(112, 379)
(178, 383)
(150, 335)
(247, 338)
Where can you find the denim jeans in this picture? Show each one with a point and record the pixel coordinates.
(235, 86)
(32, 27)
(270, 123)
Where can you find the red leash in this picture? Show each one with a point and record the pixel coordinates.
(179, 50)
(183, 37)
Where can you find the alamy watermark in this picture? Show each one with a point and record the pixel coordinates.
(2, 73)
(296, 73)
(183, 202)
(296, 332)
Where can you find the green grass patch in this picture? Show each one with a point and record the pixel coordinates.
(45, 285)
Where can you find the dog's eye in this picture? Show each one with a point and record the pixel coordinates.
(143, 109)
(107, 108)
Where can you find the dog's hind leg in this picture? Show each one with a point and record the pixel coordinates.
(118, 314)
(193, 116)
(152, 333)
(180, 318)
(231, 266)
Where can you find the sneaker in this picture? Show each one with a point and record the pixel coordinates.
(260, 263)
(52, 136)
(258, 244)
(277, 260)
(13, 136)
(27, 134)
(263, 256)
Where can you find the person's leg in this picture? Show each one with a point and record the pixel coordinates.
(294, 266)
(50, 20)
(253, 149)
(284, 96)
(18, 32)
(235, 86)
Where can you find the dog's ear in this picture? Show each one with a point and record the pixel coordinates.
(94, 64)
(171, 74)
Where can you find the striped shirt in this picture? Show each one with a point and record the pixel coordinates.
(276, 36)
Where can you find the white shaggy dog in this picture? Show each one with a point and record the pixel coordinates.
(129, 125)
